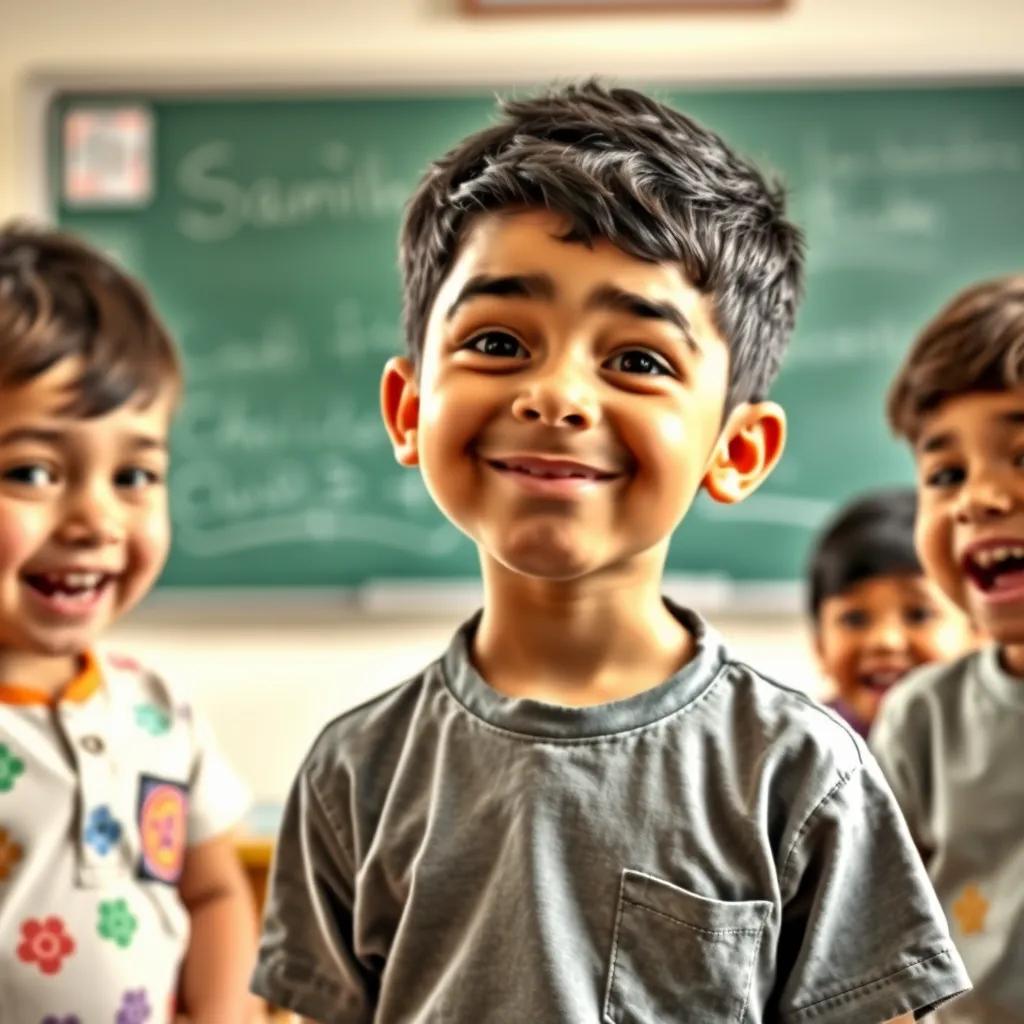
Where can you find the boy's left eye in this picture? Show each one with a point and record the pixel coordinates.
(919, 613)
(135, 478)
(31, 474)
(639, 360)
(497, 343)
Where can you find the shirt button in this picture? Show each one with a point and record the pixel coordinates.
(92, 744)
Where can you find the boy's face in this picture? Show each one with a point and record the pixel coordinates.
(970, 525)
(84, 527)
(874, 632)
(569, 399)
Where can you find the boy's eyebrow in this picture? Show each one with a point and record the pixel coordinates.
(38, 434)
(938, 442)
(530, 286)
(609, 296)
(42, 435)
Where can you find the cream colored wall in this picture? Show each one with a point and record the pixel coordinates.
(269, 675)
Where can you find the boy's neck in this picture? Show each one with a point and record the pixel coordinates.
(41, 673)
(577, 643)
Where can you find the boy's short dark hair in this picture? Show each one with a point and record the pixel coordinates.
(61, 299)
(869, 537)
(623, 167)
(976, 343)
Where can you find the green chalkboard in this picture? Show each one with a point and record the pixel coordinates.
(269, 242)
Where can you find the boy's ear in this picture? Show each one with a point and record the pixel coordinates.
(748, 448)
(400, 407)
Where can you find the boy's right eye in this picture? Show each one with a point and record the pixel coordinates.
(945, 476)
(854, 618)
(499, 344)
(31, 474)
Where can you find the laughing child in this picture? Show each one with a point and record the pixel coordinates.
(951, 739)
(876, 615)
(118, 882)
(588, 809)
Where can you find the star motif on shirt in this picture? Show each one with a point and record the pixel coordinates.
(970, 910)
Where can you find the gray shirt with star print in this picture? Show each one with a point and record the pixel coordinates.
(716, 849)
(951, 741)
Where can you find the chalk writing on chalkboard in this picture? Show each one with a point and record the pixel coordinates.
(218, 201)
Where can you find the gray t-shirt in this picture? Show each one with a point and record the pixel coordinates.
(951, 741)
(718, 848)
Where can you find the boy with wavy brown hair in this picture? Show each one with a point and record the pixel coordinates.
(119, 883)
(949, 739)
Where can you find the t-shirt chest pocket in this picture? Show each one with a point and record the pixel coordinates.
(677, 956)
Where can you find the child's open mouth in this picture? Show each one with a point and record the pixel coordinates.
(68, 593)
(997, 570)
(880, 680)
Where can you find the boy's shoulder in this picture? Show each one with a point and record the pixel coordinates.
(784, 727)
(377, 729)
(931, 689)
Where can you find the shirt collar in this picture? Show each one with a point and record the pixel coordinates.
(80, 689)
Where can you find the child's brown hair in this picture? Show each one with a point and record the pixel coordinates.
(976, 343)
(624, 167)
(62, 299)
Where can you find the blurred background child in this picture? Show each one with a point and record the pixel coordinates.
(875, 614)
(949, 740)
(119, 884)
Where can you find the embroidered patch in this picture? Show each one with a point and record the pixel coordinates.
(163, 828)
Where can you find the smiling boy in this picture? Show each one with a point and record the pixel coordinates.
(950, 738)
(876, 615)
(586, 809)
(119, 884)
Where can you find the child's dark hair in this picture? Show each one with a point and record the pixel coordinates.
(871, 536)
(61, 299)
(976, 343)
(621, 166)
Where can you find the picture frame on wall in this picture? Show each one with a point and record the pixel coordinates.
(617, 6)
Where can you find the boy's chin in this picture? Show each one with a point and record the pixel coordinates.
(543, 554)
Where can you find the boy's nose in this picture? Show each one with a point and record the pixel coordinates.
(984, 498)
(887, 634)
(90, 520)
(556, 401)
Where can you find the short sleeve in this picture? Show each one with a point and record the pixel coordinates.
(217, 796)
(306, 960)
(863, 937)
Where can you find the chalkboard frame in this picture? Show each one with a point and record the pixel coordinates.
(707, 590)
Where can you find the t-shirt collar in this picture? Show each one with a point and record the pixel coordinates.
(80, 689)
(539, 719)
(1006, 688)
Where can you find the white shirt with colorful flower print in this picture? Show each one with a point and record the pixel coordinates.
(101, 793)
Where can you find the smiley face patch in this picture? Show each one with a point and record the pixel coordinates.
(163, 828)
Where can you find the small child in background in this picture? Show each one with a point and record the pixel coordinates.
(118, 882)
(951, 739)
(876, 615)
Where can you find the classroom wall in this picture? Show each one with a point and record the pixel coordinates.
(269, 672)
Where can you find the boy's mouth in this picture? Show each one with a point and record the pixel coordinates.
(881, 679)
(996, 568)
(549, 469)
(73, 592)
